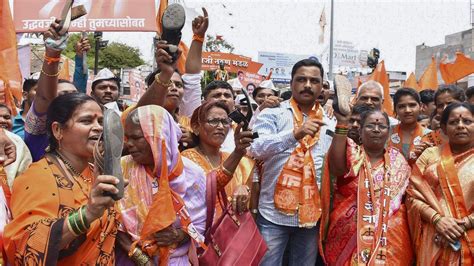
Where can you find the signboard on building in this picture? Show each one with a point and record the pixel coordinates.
(279, 65)
(102, 15)
(346, 54)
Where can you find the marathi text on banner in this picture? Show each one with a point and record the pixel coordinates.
(115, 15)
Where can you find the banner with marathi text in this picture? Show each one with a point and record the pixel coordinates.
(232, 62)
(102, 15)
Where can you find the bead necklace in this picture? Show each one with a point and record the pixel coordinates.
(72, 169)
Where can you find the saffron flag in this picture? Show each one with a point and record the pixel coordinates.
(412, 83)
(461, 68)
(64, 72)
(181, 64)
(380, 75)
(429, 79)
(10, 74)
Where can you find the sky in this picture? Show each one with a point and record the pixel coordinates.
(288, 26)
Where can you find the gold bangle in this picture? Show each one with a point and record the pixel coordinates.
(226, 172)
(139, 257)
(160, 82)
(437, 219)
(50, 75)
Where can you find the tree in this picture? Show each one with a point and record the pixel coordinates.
(114, 56)
(218, 44)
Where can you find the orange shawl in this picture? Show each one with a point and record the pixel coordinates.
(41, 200)
(444, 185)
(396, 140)
(296, 191)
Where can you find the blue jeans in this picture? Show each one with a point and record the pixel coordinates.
(302, 243)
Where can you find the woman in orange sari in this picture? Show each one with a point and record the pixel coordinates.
(60, 213)
(211, 124)
(367, 223)
(441, 194)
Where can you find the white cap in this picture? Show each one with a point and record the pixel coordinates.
(104, 74)
(267, 84)
(235, 84)
(35, 75)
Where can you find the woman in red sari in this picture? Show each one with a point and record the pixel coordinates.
(440, 197)
(367, 223)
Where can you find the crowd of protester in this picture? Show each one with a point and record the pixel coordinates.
(323, 185)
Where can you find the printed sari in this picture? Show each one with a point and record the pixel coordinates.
(241, 175)
(356, 226)
(42, 198)
(443, 182)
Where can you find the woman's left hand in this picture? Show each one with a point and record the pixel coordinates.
(240, 199)
(243, 139)
(169, 236)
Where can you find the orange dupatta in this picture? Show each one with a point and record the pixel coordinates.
(296, 190)
(451, 187)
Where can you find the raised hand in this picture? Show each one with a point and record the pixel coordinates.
(243, 139)
(200, 24)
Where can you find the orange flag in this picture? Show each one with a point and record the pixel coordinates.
(411, 82)
(64, 73)
(181, 64)
(10, 75)
(429, 79)
(270, 75)
(380, 75)
(462, 67)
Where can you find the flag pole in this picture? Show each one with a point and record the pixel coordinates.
(331, 42)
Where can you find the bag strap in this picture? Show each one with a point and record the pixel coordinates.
(210, 203)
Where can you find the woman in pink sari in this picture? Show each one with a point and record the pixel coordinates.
(163, 211)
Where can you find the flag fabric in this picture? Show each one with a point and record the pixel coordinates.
(322, 25)
(461, 68)
(270, 75)
(412, 83)
(64, 72)
(429, 79)
(380, 75)
(10, 75)
(159, 28)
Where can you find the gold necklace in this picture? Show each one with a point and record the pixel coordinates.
(207, 158)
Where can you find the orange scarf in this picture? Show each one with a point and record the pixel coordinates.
(296, 190)
(451, 187)
(396, 140)
(434, 137)
(372, 230)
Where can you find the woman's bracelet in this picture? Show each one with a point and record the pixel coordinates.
(139, 257)
(77, 222)
(226, 171)
(436, 218)
(198, 38)
(50, 75)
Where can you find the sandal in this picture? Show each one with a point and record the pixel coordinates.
(172, 23)
(343, 92)
(108, 150)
